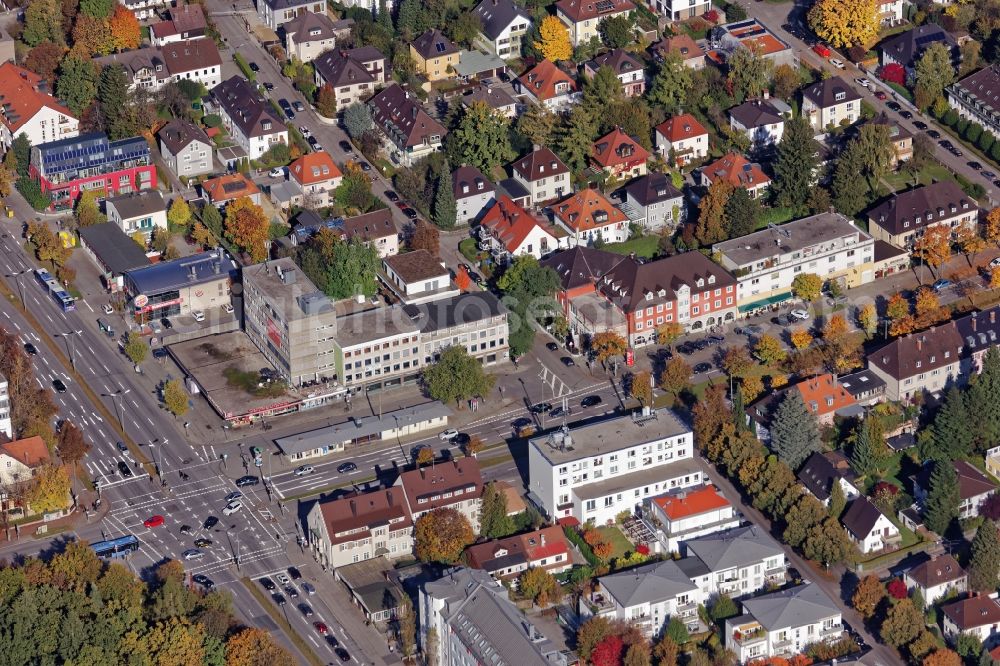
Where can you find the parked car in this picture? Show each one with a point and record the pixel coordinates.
(348, 148)
(881, 96)
(198, 315)
(862, 82)
(822, 50)
(210, 522)
(920, 125)
(551, 346)
(202, 542)
(906, 114)
(268, 584)
(800, 314)
(410, 213)
(894, 106)
(567, 361)
(253, 66)
(941, 285)
(702, 367)
(276, 172)
(298, 106)
(934, 134)
(836, 62)
(232, 508)
(391, 196)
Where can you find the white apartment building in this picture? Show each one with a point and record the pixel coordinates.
(679, 10)
(5, 424)
(27, 108)
(766, 262)
(595, 472)
(678, 517)
(783, 623)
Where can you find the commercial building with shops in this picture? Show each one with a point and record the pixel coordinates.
(181, 286)
(377, 348)
(113, 252)
(475, 321)
(766, 262)
(291, 321)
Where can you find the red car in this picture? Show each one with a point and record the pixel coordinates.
(881, 95)
(321, 628)
(153, 521)
(822, 49)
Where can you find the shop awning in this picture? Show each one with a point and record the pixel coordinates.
(765, 302)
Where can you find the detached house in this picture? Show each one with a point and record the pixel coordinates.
(152, 67)
(627, 68)
(654, 202)
(186, 149)
(977, 615)
(276, 13)
(26, 107)
(619, 155)
(830, 103)
(352, 75)
(220, 190)
(20, 459)
(868, 528)
(587, 216)
(682, 140)
(692, 55)
(823, 396)
(316, 176)
(250, 120)
(739, 171)
(902, 218)
(973, 487)
(506, 230)
(506, 558)
(907, 48)
(762, 121)
(408, 132)
(473, 193)
(434, 55)
(582, 17)
(185, 22)
(308, 35)
(547, 85)
(503, 24)
(141, 212)
(937, 577)
(542, 174)
(821, 471)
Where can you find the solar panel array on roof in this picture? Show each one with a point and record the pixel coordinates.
(235, 186)
(88, 152)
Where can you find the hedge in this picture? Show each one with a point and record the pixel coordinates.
(241, 62)
(986, 141)
(950, 118)
(577, 539)
(973, 132)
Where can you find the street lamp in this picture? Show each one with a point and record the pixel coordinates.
(69, 344)
(119, 409)
(156, 456)
(20, 289)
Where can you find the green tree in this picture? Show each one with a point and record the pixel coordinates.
(175, 398)
(902, 624)
(804, 514)
(827, 542)
(671, 84)
(980, 399)
(445, 207)
(441, 535)
(539, 585)
(941, 507)
(602, 92)
(984, 563)
(869, 453)
(807, 286)
(357, 120)
(97, 8)
(529, 292)
(179, 214)
(113, 97)
(749, 73)
(88, 212)
(677, 632)
(850, 193)
(951, 435)
(934, 71)
(342, 269)
(797, 155)
(576, 136)
(838, 501)
(136, 348)
(617, 32)
(743, 213)
(406, 627)
(77, 83)
(536, 124)
(212, 219)
(413, 19)
(43, 23)
(493, 519)
(723, 607)
(465, 28)
(457, 376)
(482, 139)
(794, 430)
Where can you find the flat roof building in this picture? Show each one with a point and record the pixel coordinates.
(291, 321)
(476, 321)
(180, 286)
(113, 251)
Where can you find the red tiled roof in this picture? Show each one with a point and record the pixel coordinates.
(541, 80)
(314, 168)
(616, 148)
(21, 97)
(362, 512)
(510, 223)
(685, 505)
(426, 487)
(973, 612)
(216, 188)
(583, 10)
(821, 390)
(30, 451)
(737, 170)
(587, 209)
(529, 547)
(678, 128)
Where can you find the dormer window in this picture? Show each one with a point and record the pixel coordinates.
(649, 295)
(661, 293)
(840, 96)
(266, 125)
(465, 188)
(711, 279)
(700, 282)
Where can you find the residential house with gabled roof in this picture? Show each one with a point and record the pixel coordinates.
(503, 25)
(684, 515)
(376, 229)
(138, 212)
(582, 17)
(494, 97)
(184, 22)
(248, 118)
(507, 230)
(973, 487)
(976, 615)
(937, 577)
(316, 175)
(473, 193)
(408, 132)
(627, 68)
(681, 139)
(977, 98)
(186, 148)
(823, 396)
(691, 54)
(579, 268)
(821, 471)
(276, 13)
(619, 155)
(830, 103)
(868, 528)
(783, 623)
(761, 120)
(308, 35)
(542, 174)
(739, 171)
(506, 558)
(20, 458)
(547, 85)
(904, 216)
(353, 74)
(588, 217)
(27, 107)
(906, 48)
(221, 190)
(455, 484)
(151, 68)
(434, 55)
(737, 562)
(653, 202)
(687, 288)
(360, 526)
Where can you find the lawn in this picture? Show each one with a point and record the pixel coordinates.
(902, 179)
(643, 246)
(467, 246)
(620, 546)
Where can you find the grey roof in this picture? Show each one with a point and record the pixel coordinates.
(829, 92)
(447, 313)
(608, 436)
(402, 119)
(473, 178)
(305, 23)
(177, 134)
(581, 265)
(861, 382)
(491, 96)
(652, 188)
(693, 567)
(821, 470)
(930, 204)
(789, 237)
(650, 583)
(907, 47)
(477, 63)
(353, 428)
(287, 289)
(619, 60)
(345, 68)
(861, 517)
(983, 87)
(513, 188)
(734, 548)
(137, 204)
(433, 44)
(247, 108)
(756, 113)
(113, 248)
(183, 272)
(496, 15)
(793, 607)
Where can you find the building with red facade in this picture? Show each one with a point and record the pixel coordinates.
(66, 168)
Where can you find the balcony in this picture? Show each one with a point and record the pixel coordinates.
(754, 635)
(831, 633)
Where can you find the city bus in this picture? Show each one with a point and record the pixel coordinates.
(66, 302)
(118, 548)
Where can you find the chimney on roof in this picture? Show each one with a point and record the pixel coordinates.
(543, 539)
(993, 316)
(920, 343)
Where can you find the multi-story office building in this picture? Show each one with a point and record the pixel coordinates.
(766, 262)
(476, 321)
(596, 471)
(291, 321)
(378, 347)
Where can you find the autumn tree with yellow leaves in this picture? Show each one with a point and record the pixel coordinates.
(845, 23)
(247, 227)
(555, 44)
